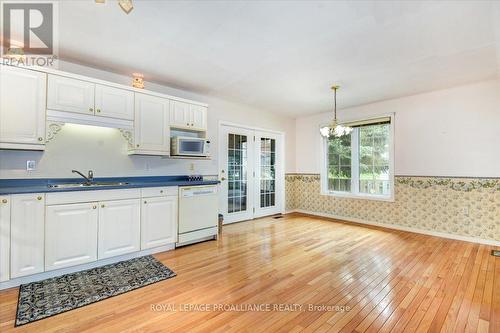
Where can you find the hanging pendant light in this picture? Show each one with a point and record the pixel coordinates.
(335, 129)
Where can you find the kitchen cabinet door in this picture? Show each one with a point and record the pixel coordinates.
(70, 95)
(71, 235)
(180, 114)
(198, 116)
(158, 221)
(114, 103)
(151, 125)
(119, 227)
(4, 238)
(22, 108)
(26, 234)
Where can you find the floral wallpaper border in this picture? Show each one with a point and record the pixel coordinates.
(457, 184)
(423, 182)
(460, 206)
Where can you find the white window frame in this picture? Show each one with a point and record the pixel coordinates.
(355, 170)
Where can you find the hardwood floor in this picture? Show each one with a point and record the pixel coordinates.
(391, 281)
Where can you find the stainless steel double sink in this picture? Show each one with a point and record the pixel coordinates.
(93, 184)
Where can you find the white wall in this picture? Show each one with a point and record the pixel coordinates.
(104, 150)
(452, 132)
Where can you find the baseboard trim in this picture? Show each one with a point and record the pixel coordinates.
(49, 274)
(402, 228)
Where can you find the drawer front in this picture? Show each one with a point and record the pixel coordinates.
(159, 191)
(91, 196)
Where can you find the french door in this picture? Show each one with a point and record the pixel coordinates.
(251, 173)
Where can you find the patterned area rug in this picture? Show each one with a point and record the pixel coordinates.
(38, 300)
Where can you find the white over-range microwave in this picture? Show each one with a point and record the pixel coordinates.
(188, 146)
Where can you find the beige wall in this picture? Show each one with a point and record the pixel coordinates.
(104, 150)
(447, 133)
(452, 132)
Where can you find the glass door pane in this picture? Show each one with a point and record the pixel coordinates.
(237, 172)
(267, 172)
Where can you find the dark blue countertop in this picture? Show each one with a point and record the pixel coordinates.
(41, 185)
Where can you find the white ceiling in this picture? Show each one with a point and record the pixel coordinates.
(282, 56)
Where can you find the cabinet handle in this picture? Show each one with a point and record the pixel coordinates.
(91, 109)
(137, 145)
(40, 139)
(187, 124)
(161, 191)
(192, 124)
(38, 198)
(102, 206)
(4, 201)
(145, 201)
(94, 207)
(98, 110)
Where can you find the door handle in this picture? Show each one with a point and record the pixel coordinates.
(222, 179)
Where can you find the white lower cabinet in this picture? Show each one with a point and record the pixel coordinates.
(45, 232)
(158, 221)
(26, 234)
(119, 227)
(71, 235)
(4, 238)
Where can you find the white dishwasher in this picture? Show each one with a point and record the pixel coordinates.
(198, 214)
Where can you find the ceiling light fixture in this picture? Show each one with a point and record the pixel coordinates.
(138, 80)
(335, 129)
(125, 5)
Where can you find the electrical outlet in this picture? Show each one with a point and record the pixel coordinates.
(30, 165)
(466, 210)
(191, 166)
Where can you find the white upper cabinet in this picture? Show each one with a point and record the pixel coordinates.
(151, 125)
(70, 95)
(4, 238)
(114, 102)
(158, 221)
(22, 108)
(70, 234)
(119, 227)
(198, 117)
(30, 99)
(180, 114)
(188, 116)
(26, 234)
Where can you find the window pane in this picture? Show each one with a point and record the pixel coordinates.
(344, 185)
(374, 159)
(339, 163)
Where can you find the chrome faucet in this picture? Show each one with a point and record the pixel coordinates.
(89, 178)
